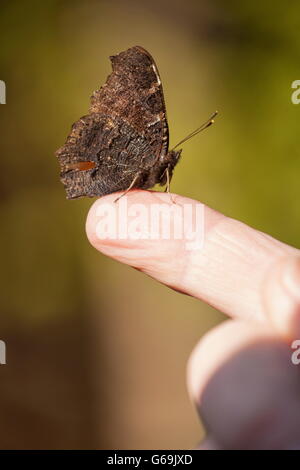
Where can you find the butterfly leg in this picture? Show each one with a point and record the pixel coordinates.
(167, 190)
(129, 187)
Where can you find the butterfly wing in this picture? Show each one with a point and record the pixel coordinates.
(133, 92)
(102, 155)
(124, 135)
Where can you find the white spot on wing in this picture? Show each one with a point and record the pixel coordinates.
(156, 73)
(158, 119)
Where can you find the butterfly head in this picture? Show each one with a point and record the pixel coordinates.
(173, 157)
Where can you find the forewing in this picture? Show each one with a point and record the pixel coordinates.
(133, 93)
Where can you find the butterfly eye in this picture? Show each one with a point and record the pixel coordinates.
(81, 166)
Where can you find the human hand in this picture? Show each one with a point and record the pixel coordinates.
(240, 375)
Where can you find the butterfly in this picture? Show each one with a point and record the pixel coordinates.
(123, 142)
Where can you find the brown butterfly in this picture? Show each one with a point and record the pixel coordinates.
(123, 142)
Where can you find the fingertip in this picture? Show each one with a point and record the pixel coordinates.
(216, 348)
(126, 230)
(91, 224)
(245, 386)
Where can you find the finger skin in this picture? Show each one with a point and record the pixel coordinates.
(246, 388)
(240, 376)
(281, 295)
(208, 444)
(229, 271)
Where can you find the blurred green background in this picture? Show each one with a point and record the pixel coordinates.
(96, 352)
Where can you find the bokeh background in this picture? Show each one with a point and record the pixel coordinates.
(96, 352)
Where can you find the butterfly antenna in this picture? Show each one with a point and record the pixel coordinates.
(204, 126)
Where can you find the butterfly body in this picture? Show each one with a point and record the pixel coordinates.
(123, 141)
